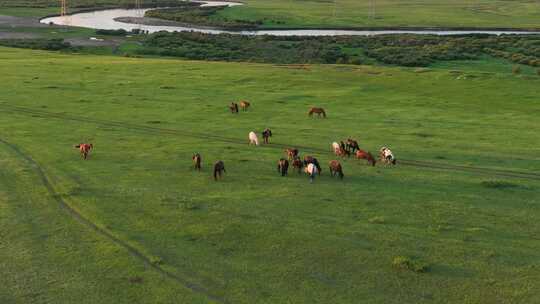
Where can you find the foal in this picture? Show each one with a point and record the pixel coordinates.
(253, 139)
(244, 105)
(297, 164)
(233, 107)
(291, 153)
(318, 111)
(311, 170)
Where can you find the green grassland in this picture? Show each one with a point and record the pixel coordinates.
(166, 234)
(389, 13)
(339, 13)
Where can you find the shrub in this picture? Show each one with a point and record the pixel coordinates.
(516, 69)
(538, 72)
(496, 184)
(406, 263)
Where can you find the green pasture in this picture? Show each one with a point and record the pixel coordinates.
(167, 234)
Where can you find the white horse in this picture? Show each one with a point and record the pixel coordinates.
(253, 139)
(311, 170)
(336, 148)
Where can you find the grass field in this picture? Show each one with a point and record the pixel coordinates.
(135, 224)
(389, 13)
(341, 13)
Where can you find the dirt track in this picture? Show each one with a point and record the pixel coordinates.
(83, 220)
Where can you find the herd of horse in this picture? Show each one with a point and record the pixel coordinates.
(310, 164)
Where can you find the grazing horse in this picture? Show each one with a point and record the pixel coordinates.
(253, 139)
(297, 164)
(219, 168)
(318, 111)
(311, 170)
(283, 166)
(335, 168)
(84, 149)
(361, 154)
(197, 159)
(386, 156)
(244, 105)
(267, 133)
(352, 145)
(291, 153)
(312, 160)
(339, 149)
(233, 107)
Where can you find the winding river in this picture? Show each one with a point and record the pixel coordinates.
(107, 19)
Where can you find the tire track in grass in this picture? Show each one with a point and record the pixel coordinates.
(85, 221)
(150, 129)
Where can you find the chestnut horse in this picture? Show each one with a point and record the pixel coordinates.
(297, 164)
(312, 160)
(361, 154)
(196, 158)
(318, 111)
(233, 107)
(283, 166)
(244, 105)
(311, 170)
(219, 168)
(335, 168)
(84, 149)
(267, 133)
(291, 153)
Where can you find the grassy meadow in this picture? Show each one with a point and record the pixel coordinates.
(389, 13)
(166, 234)
(337, 13)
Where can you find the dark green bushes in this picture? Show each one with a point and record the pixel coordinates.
(404, 50)
(37, 44)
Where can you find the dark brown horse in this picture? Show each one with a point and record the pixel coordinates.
(267, 133)
(335, 168)
(312, 160)
(233, 107)
(219, 168)
(361, 154)
(283, 166)
(197, 159)
(352, 145)
(318, 111)
(297, 164)
(84, 149)
(244, 104)
(291, 153)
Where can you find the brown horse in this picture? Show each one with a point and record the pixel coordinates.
(318, 111)
(291, 153)
(297, 164)
(244, 105)
(283, 166)
(352, 145)
(335, 168)
(84, 149)
(197, 159)
(219, 168)
(361, 154)
(267, 133)
(312, 160)
(233, 107)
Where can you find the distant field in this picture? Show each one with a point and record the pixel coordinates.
(390, 13)
(347, 13)
(257, 237)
